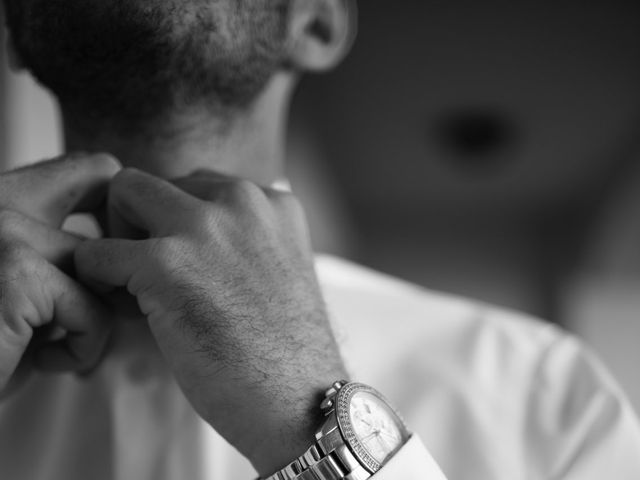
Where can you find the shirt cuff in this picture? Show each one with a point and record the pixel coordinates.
(411, 462)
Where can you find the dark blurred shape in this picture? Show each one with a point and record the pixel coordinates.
(475, 138)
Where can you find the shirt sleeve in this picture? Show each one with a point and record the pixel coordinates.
(411, 462)
(581, 425)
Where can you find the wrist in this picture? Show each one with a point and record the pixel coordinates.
(289, 429)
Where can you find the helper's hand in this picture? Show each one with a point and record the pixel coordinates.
(35, 291)
(227, 284)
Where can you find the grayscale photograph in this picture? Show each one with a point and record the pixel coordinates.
(319, 240)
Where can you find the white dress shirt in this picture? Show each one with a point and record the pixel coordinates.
(489, 394)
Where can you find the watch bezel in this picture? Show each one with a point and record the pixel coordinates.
(343, 415)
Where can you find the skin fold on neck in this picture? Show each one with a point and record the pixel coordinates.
(250, 145)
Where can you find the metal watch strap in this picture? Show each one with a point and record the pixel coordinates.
(313, 465)
(329, 458)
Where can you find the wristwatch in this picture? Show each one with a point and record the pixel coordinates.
(361, 432)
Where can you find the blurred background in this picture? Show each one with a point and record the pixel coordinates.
(489, 149)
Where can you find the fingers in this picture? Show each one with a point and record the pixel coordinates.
(225, 190)
(199, 187)
(34, 201)
(50, 191)
(55, 246)
(109, 262)
(214, 187)
(147, 202)
(37, 294)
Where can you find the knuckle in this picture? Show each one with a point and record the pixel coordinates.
(244, 186)
(15, 313)
(132, 183)
(244, 190)
(288, 204)
(242, 202)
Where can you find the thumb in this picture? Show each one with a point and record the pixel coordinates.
(49, 191)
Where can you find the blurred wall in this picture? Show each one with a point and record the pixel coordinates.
(473, 140)
(601, 300)
(491, 149)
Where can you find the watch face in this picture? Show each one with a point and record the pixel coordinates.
(372, 428)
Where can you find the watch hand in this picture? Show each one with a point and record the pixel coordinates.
(389, 435)
(373, 434)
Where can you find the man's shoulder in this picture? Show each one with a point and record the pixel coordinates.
(459, 345)
(478, 382)
(373, 300)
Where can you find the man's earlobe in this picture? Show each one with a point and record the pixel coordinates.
(13, 57)
(321, 33)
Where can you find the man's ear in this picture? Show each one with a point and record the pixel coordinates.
(321, 33)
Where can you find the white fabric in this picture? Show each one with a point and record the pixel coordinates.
(492, 395)
(411, 462)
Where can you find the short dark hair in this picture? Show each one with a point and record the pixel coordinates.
(125, 61)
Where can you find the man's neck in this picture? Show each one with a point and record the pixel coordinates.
(249, 146)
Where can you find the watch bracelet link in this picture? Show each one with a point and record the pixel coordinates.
(329, 458)
(314, 464)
